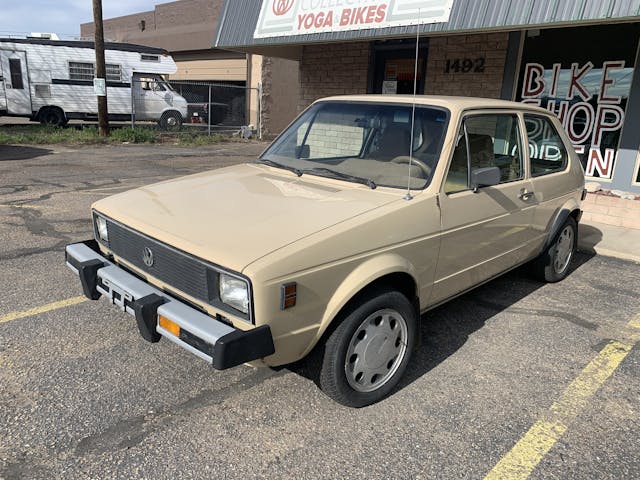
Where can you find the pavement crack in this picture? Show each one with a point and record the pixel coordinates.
(569, 317)
(11, 189)
(130, 432)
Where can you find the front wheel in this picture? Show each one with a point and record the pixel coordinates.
(553, 264)
(170, 121)
(367, 354)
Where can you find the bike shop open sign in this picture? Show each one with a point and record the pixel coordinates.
(587, 88)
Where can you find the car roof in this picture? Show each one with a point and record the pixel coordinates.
(450, 102)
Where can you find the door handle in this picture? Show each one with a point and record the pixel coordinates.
(525, 195)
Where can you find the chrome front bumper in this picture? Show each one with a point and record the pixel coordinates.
(212, 340)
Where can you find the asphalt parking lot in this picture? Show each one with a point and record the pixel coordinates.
(514, 380)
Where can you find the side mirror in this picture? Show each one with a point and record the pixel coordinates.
(303, 151)
(484, 177)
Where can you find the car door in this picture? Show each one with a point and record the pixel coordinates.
(143, 96)
(16, 82)
(485, 230)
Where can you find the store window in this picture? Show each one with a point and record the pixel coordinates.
(583, 75)
(393, 67)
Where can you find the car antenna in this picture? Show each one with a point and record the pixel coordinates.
(408, 196)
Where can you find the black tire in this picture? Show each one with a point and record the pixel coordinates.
(170, 121)
(553, 264)
(340, 378)
(52, 116)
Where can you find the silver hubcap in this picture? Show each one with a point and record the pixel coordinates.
(171, 121)
(376, 350)
(564, 249)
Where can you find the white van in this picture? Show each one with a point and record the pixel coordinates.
(51, 81)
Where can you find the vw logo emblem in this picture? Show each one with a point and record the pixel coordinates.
(147, 257)
(280, 7)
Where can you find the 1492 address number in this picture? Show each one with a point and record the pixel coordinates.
(465, 65)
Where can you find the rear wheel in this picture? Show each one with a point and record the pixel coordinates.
(367, 354)
(52, 116)
(170, 121)
(553, 264)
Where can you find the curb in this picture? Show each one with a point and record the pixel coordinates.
(605, 252)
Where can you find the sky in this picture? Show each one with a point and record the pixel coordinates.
(62, 17)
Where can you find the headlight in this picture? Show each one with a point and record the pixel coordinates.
(101, 227)
(234, 292)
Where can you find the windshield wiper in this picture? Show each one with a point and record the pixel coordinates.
(271, 163)
(326, 172)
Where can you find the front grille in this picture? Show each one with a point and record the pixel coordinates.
(177, 269)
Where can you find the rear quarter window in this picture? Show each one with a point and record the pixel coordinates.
(547, 152)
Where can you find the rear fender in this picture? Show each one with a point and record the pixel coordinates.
(559, 218)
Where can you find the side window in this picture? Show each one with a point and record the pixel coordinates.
(15, 69)
(113, 72)
(151, 84)
(547, 152)
(81, 71)
(493, 140)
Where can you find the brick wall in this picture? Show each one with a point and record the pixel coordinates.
(182, 25)
(491, 46)
(611, 211)
(333, 69)
(187, 12)
(280, 94)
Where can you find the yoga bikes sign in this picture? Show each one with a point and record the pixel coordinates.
(300, 17)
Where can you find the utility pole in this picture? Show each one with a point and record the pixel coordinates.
(101, 70)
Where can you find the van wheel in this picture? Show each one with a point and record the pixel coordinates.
(366, 355)
(170, 121)
(553, 264)
(52, 116)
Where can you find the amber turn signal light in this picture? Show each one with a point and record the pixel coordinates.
(168, 325)
(288, 295)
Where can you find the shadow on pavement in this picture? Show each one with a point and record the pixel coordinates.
(19, 152)
(445, 329)
(588, 237)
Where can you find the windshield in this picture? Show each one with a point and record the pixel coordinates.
(363, 142)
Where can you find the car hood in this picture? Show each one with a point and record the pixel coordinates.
(236, 215)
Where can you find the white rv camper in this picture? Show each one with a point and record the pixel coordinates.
(51, 81)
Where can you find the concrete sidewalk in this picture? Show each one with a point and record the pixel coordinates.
(609, 240)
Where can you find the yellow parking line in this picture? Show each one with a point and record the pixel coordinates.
(13, 205)
(42, 309)
(521, 460)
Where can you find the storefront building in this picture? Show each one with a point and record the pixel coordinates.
(579, 59)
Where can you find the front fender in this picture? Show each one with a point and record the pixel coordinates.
(362, 276)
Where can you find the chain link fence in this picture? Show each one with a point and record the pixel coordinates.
(195, 107)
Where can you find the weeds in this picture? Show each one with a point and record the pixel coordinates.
(46, 135)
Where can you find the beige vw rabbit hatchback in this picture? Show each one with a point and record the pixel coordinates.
(366, 212)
